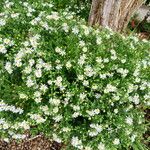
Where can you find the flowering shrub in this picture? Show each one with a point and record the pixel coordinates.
(81, 86)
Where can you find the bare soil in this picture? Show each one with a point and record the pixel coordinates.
(38, 143)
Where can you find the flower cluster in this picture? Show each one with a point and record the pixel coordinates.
(71, 82)
(5, 107)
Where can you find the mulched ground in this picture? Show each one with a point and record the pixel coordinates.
(144, 35)
(37, 143)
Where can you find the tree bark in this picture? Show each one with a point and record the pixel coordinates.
(114, 14)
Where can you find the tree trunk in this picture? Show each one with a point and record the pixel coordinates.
(113, 13)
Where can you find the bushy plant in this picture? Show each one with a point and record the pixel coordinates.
(80, 86)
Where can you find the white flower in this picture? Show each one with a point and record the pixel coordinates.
(59, 67)
(27, 70)
(135, 99)
(43, 88)
(131, 88)
(15, 15)
(29, 82)
(8, 67)
(81, 43)
(6, 107)
(123, 60)
(5, 126)
(82, 96)
(44, 25)
(29, 51)
(2, 49)
(39, 65)
(58, 81)
(75, 30)
(94, 87)
(114, 56)
(103, 76)
(38, 73)
(55, 110)
(75, 114)
(93, 133)
(60, 51)
(54, 16)
(37, 94)
(49, 82)
(115, 111)
(136, 72)
(93, 112)
(38, 100)
(87, 148)
(96, 111)
(37, 118)
(54, 101)
(123, 72)
(80, 77)
(8, 42)
(86, 29)
(129, 120)
(2, 120)
(97, 95)
(81, 60)
(26, 43)
(19, 136)
(84, 49)
(137, 80)
(6, 140)
(76, 108)
(20, 54)
(31, 62)
(101, 146)
(89, 71)
(33, 40)
(18, 62)
(68, 64)
(97, 127)
(58, 118)
(98, 40)
(47, 66)
(76, 142)
(99, 60)
(116, 97)
(45, 109)
(116, 141)
(2, 22)
(85, 83)
(8, 4)
(35, 21)
(105, 60)
(23, 96)
(133, 137)
(113, 52)
(110, 88)
(65, 27)
(25, 4)
(56, 138)
(24, 125)
(128, 132)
